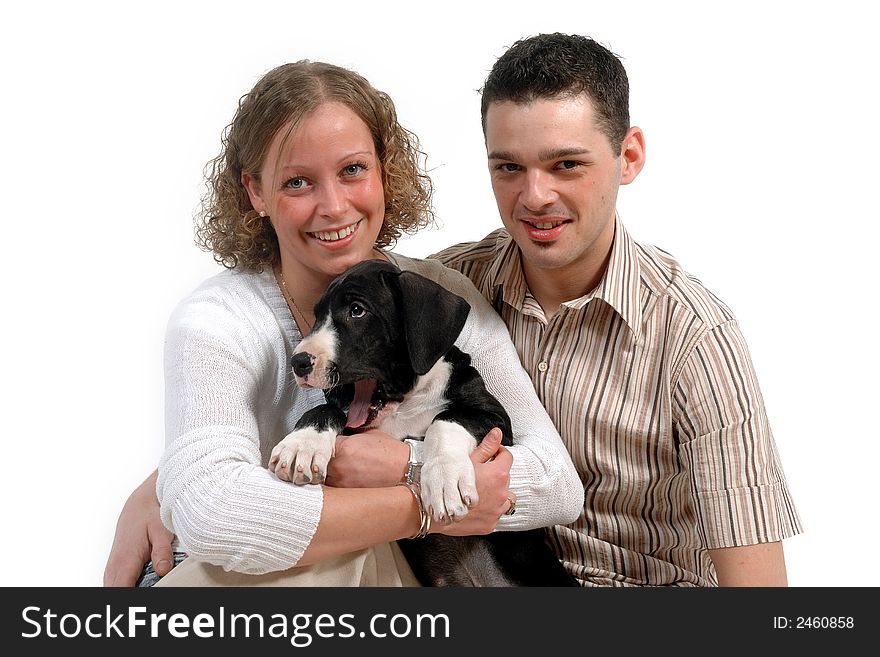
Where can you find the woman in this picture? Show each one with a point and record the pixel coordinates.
(316, 174)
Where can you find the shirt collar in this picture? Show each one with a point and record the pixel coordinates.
(619, 286)
(505, 279)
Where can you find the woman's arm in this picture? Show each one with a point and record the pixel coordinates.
(222, 362)
(543, 476)
(347, 523)
(350, 522)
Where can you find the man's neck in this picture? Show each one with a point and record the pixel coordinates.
(553, 287)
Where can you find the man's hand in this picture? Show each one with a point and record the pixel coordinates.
(489, 447)
(370, 459)
(140, 537)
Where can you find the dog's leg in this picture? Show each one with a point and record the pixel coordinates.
(448, 480)
(302, 456)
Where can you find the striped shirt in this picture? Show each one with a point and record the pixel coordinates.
(649, 381)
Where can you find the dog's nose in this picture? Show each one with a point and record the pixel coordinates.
(302, 363)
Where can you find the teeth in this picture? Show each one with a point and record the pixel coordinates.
(545, 226)
(335, 235)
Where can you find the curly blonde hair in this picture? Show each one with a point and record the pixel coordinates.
(229, 226)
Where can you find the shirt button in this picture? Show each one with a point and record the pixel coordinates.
(542, 366)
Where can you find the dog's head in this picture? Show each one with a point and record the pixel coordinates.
(376, 329)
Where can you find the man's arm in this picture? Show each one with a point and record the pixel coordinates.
(750, 565)
(727, 446)
(140, 537)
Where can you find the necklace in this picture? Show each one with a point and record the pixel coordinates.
(296, 311)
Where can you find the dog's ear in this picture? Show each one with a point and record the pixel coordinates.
(432, 318)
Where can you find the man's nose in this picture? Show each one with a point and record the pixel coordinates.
(538, 190)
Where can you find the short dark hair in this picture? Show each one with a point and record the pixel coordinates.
(550, 66)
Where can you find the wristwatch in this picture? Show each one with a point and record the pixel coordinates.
(413, 467)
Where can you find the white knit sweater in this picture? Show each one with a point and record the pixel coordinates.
(230, 397)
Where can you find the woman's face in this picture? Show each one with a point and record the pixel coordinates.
(323, 193)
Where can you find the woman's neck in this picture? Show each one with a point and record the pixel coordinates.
(302, 287)
(301, 294)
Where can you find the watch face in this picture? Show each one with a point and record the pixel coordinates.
(413, 471)
(413, 467)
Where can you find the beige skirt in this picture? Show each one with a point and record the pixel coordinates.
(380, 565)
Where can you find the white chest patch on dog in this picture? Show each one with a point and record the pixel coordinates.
(414, 415)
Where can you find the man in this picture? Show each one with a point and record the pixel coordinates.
(644, 372)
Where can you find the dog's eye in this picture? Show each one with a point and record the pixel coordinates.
(356, 310)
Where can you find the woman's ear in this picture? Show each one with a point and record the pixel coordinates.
(254, 191)
(632, 154)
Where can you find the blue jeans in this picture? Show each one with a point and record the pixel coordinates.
(149, 577)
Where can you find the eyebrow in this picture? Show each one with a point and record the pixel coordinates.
(347, 156)
(543, 156)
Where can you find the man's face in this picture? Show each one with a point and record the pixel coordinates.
(555, 176)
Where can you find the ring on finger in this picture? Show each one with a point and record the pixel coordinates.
(512, 508)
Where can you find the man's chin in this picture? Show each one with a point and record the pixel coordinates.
(548, 256)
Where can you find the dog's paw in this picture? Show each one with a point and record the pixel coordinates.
(446, 485)
(447, 480)
(302, 456)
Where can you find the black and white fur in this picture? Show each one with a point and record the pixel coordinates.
(383, 352)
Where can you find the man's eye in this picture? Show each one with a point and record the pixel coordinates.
(568, 164)
(356, 310)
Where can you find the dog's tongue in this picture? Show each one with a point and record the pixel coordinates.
(360, 405)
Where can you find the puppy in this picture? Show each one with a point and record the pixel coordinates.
(384, 361)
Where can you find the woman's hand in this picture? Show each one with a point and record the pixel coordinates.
(370, 459)
(492, 468)
(140, 537)
(373, 459)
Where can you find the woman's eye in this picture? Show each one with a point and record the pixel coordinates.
(353, 169)
(356, 310)
(295, 183)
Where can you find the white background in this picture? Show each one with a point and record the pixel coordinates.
(760, 120)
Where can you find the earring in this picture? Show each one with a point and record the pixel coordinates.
(262, 213)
